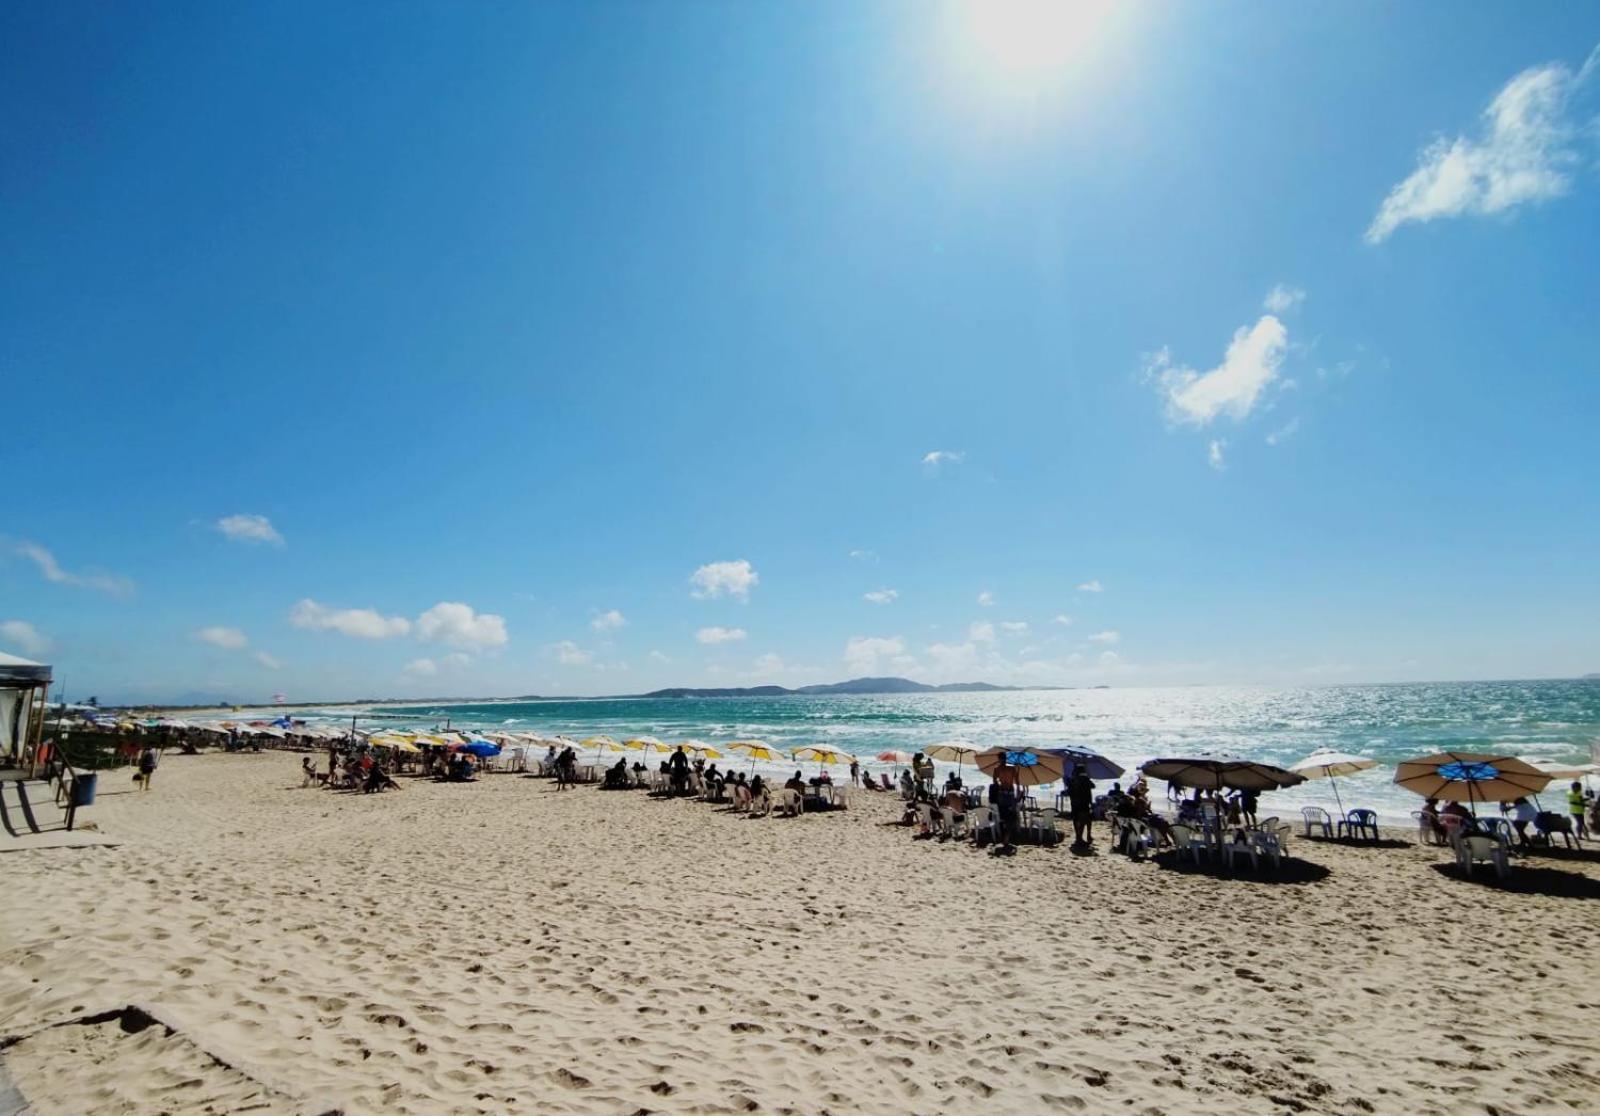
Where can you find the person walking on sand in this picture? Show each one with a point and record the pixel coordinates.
(1575, 806)
(148, 759)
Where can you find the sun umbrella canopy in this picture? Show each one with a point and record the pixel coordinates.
(1032, 767)
(1325, 763)
(1211, 773)
(1557, 770)
(894, 757)
(1470, 777)
(1096, 765)
(604, 744)
(702, 749)
(481, 748)
(756, 750)
(647, 744)
(952, 751)
(398, 743)
(821, 753)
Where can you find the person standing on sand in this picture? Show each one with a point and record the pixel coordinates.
(1575, 804)
(1080, 794)
(1003, 793)
(678, 769)
(855, 774)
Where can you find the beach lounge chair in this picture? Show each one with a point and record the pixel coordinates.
(1476, 849)
(1358, 823)
(1183, 838)
(790, 803)
(1315, 816)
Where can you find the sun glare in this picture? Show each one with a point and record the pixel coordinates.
(1029, 42)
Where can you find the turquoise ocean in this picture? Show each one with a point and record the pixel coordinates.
(1558, 720)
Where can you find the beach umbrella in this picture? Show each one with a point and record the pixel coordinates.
(1470, 777)
(399, 744)
(756, 750)
(1218, 773)
(1097, 766)
(1558, 770)
(481, 748)
(701, 749)
(899, 759)
(1325, 763)
(958, 751)
(1033, 767)
(822, 754)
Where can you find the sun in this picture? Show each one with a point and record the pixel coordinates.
(1028, 41)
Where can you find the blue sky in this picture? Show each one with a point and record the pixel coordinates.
(360, 350)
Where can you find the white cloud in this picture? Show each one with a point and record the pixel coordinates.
(769, 663)
(1091, 587)
(935, 460)
(608, 621)
(985, 598)
(1283, 433)
(952, 658)
(1063, 619)
(660, 657)
(736, 579)
(254, 529)
(882, 596)
(1232, 387)
(1110, 658)
(981, 632)
(1526, 153)
(570, 654)
(863, 654)
(231, 639)
(1015, 627)
(359, 623)
(1106, 637)
(421, 668)
(24, 637)
(114, 584)
(864, 555)
(267, 660)
(720, 635)
(1214, 454)
(457, 659)
(1281, 299)
(457, 625)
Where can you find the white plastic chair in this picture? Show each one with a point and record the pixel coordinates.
(761, 806)
(790, 803)
(1241, 846)
(1315, 816)
(955, 825)
(1183, 837)
(1137, 839)
(928, 820)
(1042, 823)
(1474, 850)
(1266, 844)
(980, 820)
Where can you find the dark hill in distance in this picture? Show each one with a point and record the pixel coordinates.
(854, 686)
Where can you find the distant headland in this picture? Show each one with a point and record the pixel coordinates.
(854, 686)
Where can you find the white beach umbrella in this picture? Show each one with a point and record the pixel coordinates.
(1325, 763)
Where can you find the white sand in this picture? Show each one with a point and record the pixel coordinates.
(501, 947)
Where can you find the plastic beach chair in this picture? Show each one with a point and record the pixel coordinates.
(1358, 823)
(1183, 837)
(1241, 845)
(1314, 816)
(1474, 850)
(980, 823)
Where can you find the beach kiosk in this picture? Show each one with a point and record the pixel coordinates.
(24, 688)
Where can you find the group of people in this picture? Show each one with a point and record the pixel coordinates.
(362, 771)
(1583, 811)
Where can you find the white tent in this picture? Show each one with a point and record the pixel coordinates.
(24, 686)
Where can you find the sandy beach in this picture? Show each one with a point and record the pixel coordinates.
(498, 946)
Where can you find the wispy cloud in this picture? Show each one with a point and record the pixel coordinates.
(114, 584)
(866, 654)
(981, 631)
(231, 639)
(1091, 587)
(936, 460)
(1282, 299)
(716, 634)
(660, 656)
(1214, 456)
(608, 621)
(882, 596)
(1233, 387)
(861, 555)
(714, 579)
(24, 637)
(1525, 153)
(1063, 619)
(421, 668)
(253, 529)
(359, 623)
(570, 654)
(1107, 637)
(985, 598)
(267, 660)
(1015, 627)
(1283, 433)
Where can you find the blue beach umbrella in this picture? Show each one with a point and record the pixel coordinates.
(480, 748)
(1097, 766)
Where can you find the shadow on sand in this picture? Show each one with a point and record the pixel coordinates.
(1357, 842)
(1527, 880)
(1293, 870)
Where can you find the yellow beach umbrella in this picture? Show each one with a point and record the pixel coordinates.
(822, 754)
(649, 744)
(756, 750)
(398, 743)
(603, 744)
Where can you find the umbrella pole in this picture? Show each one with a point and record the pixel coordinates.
(1337, 800)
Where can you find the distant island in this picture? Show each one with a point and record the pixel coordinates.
(854, 686)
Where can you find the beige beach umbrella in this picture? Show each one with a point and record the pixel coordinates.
(1325, 763)
(757, 750)
(1470, 777)
(821, 754)
(958, 751)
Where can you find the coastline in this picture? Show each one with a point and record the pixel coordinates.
(497, 945)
